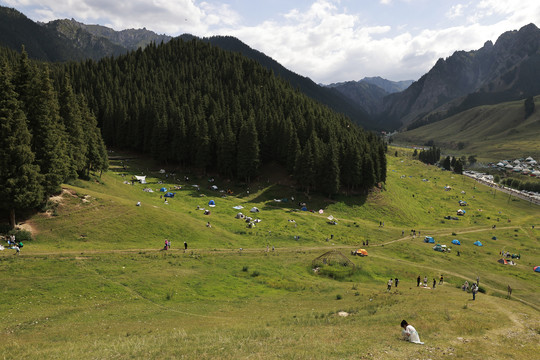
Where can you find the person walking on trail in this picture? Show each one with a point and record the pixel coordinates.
(477, 280)
(425, 281)
(418, 281)
(441, 280)
(509, 291)
(396, 281)
(434, 283)
(389, 285)
(185, 245)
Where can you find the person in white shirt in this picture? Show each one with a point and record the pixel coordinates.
(409, 333)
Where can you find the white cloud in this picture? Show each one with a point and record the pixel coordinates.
(325, 41)
(163, 16)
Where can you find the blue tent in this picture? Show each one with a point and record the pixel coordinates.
(211, 202)
(456, 242)
(429, 239)
(536, 268)
(478, 243)
(163, 189)
(494, 238)
(304, 208)
(170, 194)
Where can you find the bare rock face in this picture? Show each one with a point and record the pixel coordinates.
(497, 72)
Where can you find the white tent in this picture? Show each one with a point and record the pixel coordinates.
(254, 209)
(142, 179)
(162, 171)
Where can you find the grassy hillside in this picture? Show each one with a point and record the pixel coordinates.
(94, 284)
(492, 132)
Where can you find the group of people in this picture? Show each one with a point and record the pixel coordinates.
(168, 245)
(425, 283)
(13, 244)
(390, 282)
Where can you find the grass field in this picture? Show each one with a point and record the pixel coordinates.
(93, 284)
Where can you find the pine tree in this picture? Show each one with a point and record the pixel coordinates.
(248, 150)
(330, 176)
(20, 186)
(48, 136)
(446, 163)
(72, 121)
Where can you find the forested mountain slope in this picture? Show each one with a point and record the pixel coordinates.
(193, 103)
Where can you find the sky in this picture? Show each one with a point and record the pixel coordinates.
(326, 40)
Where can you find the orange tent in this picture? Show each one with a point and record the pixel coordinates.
(362, 252)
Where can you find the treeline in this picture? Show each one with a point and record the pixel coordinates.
(47, 136)
(522, 185)
(191, 103)
(430, 156)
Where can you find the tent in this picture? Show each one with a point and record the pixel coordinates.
(169, 194)
(429, 239)
(141, 179)
(456, 242)
(213, 187)
(239, 215)
(461, 212)
(494, 238)
(361, 252)
(462, 203)
(163, 189)
(321, 211)
(212, 203)
(254, 210)
(304, 208)
(162, 171)
(478, 243)
(238, 207)
(438, 247)
(502, 261)
(536, 268)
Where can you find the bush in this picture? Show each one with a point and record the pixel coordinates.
(338, 297)
(245, 269)
(255, 274)
(21, 235)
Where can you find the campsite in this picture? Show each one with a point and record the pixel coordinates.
(94, 281)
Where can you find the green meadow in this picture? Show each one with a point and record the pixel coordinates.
(492, 132)
(94, 283)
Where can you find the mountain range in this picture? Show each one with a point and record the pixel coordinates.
(503, 71)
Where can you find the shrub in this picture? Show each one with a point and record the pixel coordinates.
(255, 274)
(21, 235)
(338, 297)
(245, 268)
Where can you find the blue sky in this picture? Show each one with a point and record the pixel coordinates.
(326, 40)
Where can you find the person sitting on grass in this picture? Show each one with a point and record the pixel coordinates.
(409, 333)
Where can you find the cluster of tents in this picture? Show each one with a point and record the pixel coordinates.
(431, 240)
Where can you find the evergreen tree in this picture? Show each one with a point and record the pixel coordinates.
(48, 136)
(248, 150)
(446, 163)
(72, 121)
(20, 186)
(330, 176)
(368, 173)
(458, 167)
